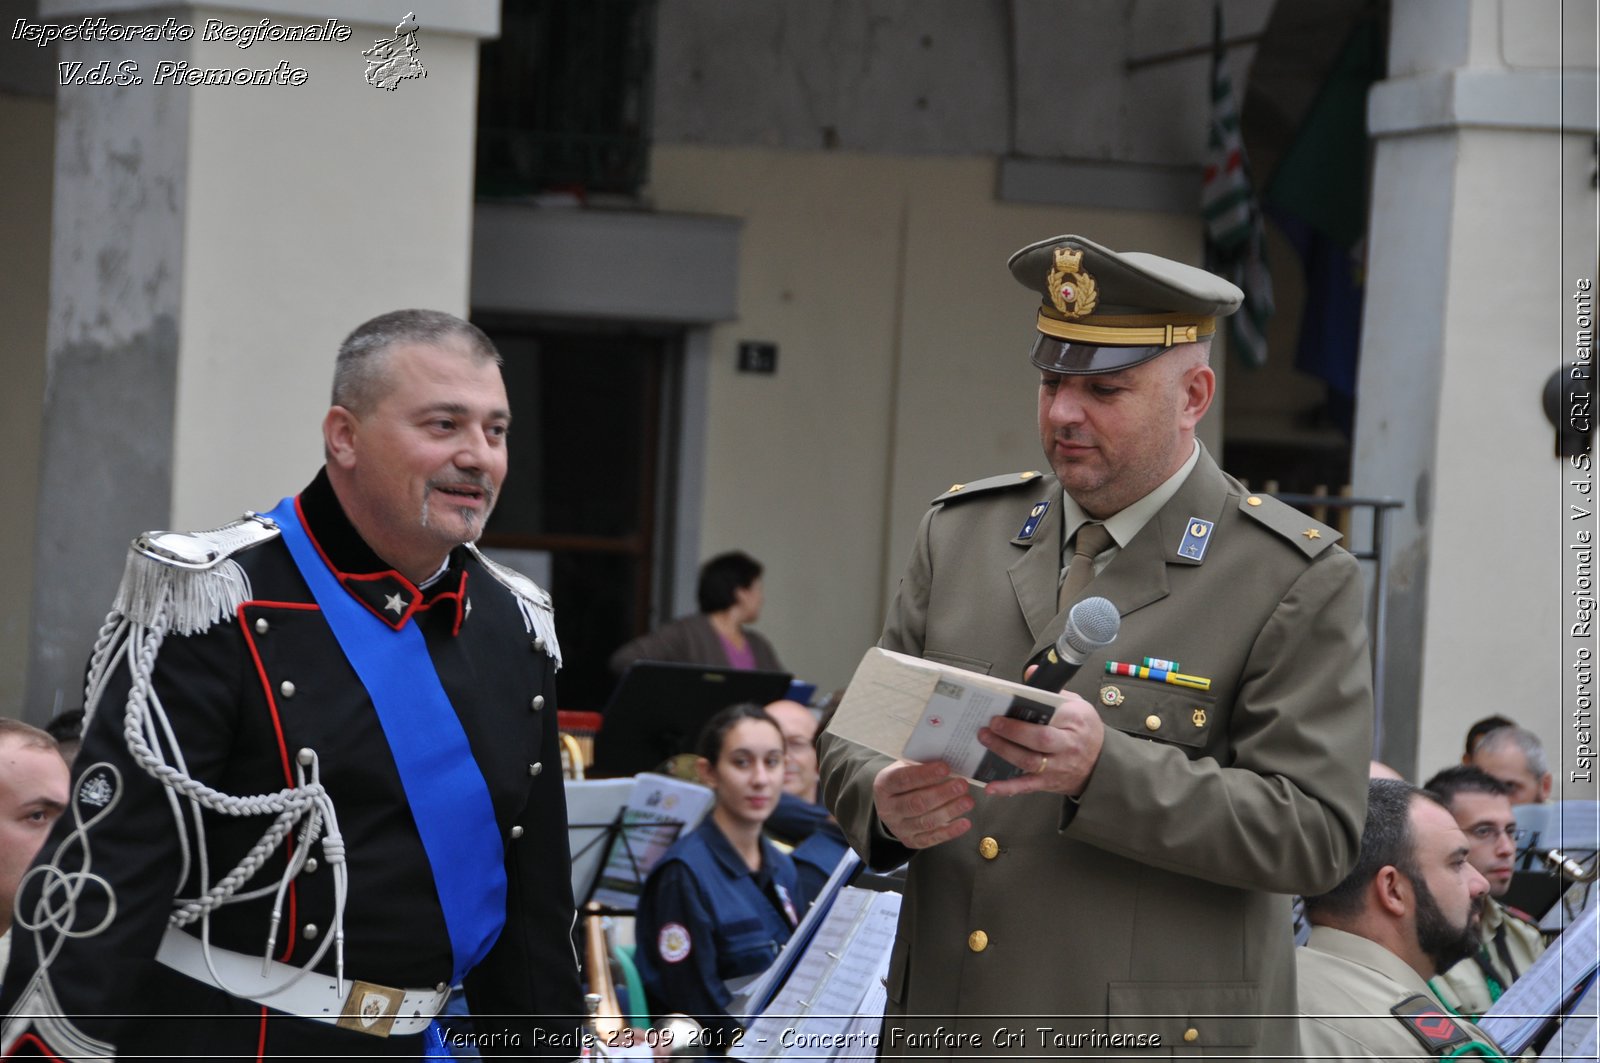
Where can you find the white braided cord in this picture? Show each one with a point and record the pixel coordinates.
(152, 743)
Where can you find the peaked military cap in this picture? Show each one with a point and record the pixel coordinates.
(1106, 310)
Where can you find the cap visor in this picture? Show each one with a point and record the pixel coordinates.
(1083, 359)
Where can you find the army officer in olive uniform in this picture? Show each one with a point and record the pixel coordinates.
(1134, 884)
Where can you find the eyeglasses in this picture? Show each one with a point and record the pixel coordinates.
(1488, 832)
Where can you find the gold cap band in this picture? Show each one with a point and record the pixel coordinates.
(1144, 330)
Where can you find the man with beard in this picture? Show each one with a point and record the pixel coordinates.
(1508, 941)
(312, 794)
(1408, 910)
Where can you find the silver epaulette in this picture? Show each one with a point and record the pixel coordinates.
(538, 610)
(189, 580)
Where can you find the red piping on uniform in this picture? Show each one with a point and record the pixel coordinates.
(283, 747)
(416, 595)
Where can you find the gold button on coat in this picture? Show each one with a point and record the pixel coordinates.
(977, 941)
(1191, 1035)
(1152, 722)
(988, 848)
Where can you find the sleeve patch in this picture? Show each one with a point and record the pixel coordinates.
(673, 943)
(1428, 1023)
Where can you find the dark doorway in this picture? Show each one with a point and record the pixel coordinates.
(591, 446)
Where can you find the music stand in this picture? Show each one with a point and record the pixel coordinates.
(659, 708)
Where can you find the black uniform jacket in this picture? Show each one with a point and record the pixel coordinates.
(244, 697)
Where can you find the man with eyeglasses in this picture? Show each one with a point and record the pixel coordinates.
(1508, 940)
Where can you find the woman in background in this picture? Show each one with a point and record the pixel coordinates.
(730, 596)
(723, 900)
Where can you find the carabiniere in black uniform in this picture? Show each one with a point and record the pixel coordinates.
(254, 694)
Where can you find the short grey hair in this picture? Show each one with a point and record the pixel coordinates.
(358, 373)
(1523, 739)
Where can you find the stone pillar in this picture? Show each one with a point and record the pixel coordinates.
(211, 245)
(1482, 219)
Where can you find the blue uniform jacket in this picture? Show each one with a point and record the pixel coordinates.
(706, 918)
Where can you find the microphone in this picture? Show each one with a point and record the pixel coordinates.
(1091, 625)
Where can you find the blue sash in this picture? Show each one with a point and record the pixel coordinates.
(449, 800)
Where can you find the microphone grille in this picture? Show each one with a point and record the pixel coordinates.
(1092, 624)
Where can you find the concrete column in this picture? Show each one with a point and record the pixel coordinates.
(1482, 219)
(211, 245)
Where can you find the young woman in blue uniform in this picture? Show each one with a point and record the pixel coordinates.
(723, 900)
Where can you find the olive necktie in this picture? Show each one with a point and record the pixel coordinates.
(1091, 540)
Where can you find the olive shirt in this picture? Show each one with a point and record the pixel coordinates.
(1508, 943)
(1348, 986)
(1156, 905)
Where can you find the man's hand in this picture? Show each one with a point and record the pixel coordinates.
(1058, 757)
(920, 804)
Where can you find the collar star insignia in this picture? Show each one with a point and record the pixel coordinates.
(1312, 533)
(395, 602)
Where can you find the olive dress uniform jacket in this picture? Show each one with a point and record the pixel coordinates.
(244, 696)
(1348, 986)
(1156, 905)
(1508, 945)
(692, 640)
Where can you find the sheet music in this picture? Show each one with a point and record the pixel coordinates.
(832, 1004)
(592, 805)
(752, 999)
(1541, 993)
(659, 811)
(1577, 1038)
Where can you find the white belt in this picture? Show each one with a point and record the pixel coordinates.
(365, 1008)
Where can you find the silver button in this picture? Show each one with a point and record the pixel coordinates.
(311, 864)
(535, 768)
(516, 832)
(538, 644)
(442, 987)
(538, 702)
(261, 626)
(310, 932)
(286, 688)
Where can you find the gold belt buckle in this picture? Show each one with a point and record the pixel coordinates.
(371, 1009)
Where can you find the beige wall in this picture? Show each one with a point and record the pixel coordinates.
(26, 166)
(310, 209)
(1497, 581)
(902, 365)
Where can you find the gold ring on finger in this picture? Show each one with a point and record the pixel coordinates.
(1044, 762)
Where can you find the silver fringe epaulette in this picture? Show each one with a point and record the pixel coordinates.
(538, 611)
(189, 580)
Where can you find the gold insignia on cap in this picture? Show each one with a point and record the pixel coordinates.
(1071, 290)
(1030, 474)
(1199, 717)
(1111, 695)
(1312, 533)
(957, 487)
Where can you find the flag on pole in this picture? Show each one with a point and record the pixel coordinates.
(1235, 238)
